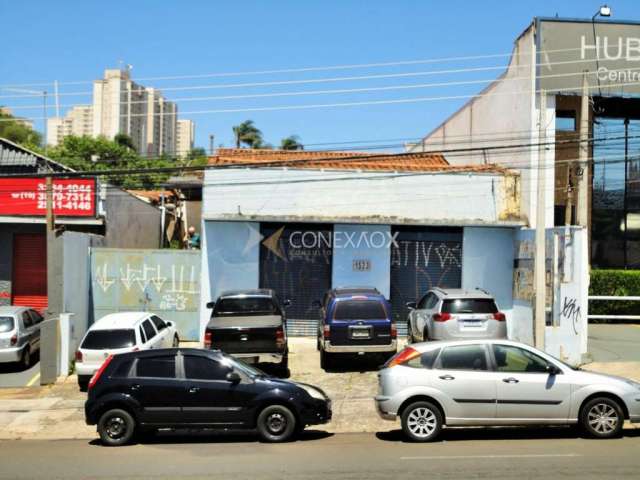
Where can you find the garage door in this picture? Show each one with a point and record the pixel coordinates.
(29, 285)
(295, 261)
(422, 259)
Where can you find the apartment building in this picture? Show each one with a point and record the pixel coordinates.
(161, 123)
(185, 136)
(78, 121)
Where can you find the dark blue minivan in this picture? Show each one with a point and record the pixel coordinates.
(355, 320)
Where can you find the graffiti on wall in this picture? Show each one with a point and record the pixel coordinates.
(166, 282)
(5, 292)
(571, 312)
(422, 253)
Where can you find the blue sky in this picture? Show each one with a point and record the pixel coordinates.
(76, 40)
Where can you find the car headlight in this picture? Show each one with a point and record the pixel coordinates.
(313, 392)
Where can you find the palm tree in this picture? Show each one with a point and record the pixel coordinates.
(247, 134)
(292, 142)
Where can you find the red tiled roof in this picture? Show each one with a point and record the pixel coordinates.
(413, 162)
(153, 196)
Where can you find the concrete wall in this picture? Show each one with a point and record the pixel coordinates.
(487, 263)
(130, 222)
(357, 197)
(351, 243)
(230, 260)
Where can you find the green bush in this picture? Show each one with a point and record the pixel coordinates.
(620, 283)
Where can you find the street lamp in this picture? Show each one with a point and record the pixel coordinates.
(604, 11)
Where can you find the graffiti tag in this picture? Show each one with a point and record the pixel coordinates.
(571, 311)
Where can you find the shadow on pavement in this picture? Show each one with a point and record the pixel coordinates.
(502, 433)
(345, 363)
(17, 367)
(166, 437)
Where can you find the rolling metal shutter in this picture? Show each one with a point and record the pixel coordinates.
(422, 259)
(29, 286)
(297, 270)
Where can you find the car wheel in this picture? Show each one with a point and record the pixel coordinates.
(325, 360)
(176, 341)
(318, 343)
(276, 424)
(425, 335)
(116, 427)
(26, 358)
(602, 418)
(421, 421)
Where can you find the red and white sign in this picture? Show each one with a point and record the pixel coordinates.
(72, 197)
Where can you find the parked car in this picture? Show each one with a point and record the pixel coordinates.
(195, 388)
(450, 314)
(499, 382)
(119, 333)
(251, 325)
(355, 320)
(19, 334)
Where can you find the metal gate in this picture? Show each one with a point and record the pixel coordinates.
(29, 286)
(295, 261)
(422, 258)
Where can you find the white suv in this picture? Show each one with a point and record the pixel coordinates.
(455, 314)
(120, 333)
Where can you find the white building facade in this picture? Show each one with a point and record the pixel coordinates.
(78, 121)
(186, 132)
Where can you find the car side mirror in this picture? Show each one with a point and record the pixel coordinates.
(411, 305)
(233, 377)
(210, 305)
(316, 304)
(552, 369)
(169, 323)
(286, 303)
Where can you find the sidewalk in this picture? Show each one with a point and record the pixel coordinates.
(56, 411)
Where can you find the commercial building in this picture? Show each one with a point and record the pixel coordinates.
(555, 62)
(186, 132)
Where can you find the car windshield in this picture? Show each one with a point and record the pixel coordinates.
(6, 324)
(109, 339)
(469, 305)
(244, 306)
(249, 370)
(359, 310)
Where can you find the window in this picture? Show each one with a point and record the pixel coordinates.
(245, 306)
(143, 338)
(157, 367)
(37, 318)
(518, 360)
(433, 301)
(425, 360)
(202, 368)
(359, 310)
(469, 305)
(422, 304)
(6, 324)
(464, 357)
(123, 370)
(149, 331)
(109, 339)
(26, 320)
(566, 120)
(159, 323)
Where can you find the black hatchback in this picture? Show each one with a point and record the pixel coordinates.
(192, 388)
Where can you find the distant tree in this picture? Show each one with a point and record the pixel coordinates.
(124, 140)
(196, 157)
(248, 134)
(19, 132)
(292, 142)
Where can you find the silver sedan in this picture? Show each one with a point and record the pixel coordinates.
(499, 382)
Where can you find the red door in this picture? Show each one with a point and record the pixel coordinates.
(29, 287)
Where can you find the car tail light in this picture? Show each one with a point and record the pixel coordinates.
(78, 356)
(102, 368)
(14, 340)
(499, 316)
(441, 317)
(403, 357)
(394, 331)
(326, 332)
(280, 338)
(208, 338)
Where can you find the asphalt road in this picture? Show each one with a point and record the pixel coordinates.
(471, 453)
(13, 375)
(614, 343)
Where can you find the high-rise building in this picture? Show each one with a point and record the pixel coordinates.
(78, 121)
(162, 117)
(185, 137)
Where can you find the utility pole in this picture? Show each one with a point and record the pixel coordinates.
(540, 268)
(583, 157)
(211, 138)
(51, 238)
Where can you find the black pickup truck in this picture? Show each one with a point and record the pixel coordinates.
(250, 325)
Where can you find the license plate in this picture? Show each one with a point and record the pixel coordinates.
(250, 359)
(360, 333)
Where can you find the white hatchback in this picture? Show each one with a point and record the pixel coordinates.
(120, 333)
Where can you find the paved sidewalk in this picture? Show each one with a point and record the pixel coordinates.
(56, 412)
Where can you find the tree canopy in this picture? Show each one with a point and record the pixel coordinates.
(291, 142)
(18, 131)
